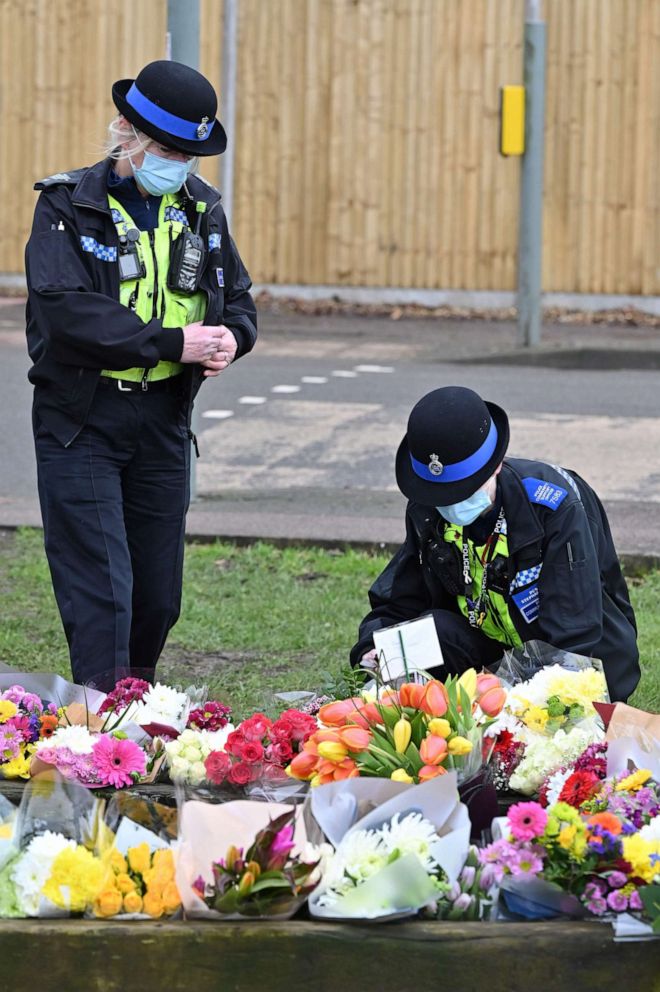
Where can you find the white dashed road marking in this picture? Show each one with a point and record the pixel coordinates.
(344, 374)
(254, 400)
(374, 368)
(218, 414)
(314, 379)
(285, 389)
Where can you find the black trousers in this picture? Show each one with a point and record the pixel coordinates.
(113, 506)
(463, 646)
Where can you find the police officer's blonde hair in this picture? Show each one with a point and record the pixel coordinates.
(121, 131)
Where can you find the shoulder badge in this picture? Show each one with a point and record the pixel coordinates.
(544, 493)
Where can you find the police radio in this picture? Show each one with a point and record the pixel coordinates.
(188, 258)
(131, 265)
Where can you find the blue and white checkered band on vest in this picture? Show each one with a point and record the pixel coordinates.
(178, 126)
(435, 471)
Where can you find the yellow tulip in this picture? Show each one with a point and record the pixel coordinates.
(152, 905)
(402, 731)
(233, 854)
(400, 775)
(468, 681)
(439, 727)
(459, 745)
(124, 883)
(171, 898)
(246, 883)
(139, 858)
(332, 751)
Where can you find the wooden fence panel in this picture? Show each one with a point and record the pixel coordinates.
(366, 144)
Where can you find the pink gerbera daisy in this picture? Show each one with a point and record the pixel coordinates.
(118, 761)
(527, 820)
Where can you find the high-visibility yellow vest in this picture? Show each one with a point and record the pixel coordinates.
(497, 623)
(150, 297)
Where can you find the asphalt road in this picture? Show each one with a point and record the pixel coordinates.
(298, 438)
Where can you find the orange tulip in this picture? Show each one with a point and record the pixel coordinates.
(303, 765)
(493, 700)
(326, 734)
(433, 750)
(486, 681)
(355, 738)
(428, 772)
(347, 769)
(411, 694)
(366, 716)
(336, 714)
(435, 700)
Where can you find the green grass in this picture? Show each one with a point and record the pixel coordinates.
(255, 620)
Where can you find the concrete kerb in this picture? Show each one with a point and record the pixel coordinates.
(635, 564)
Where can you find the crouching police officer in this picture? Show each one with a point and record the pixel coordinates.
(136, 294)
(499, 551)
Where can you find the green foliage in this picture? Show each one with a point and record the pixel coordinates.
(255, 620)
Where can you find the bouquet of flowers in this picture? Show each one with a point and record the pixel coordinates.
(265, 880)
(140, 884)
(252, 755)
(160, 709)
(24, 721)
(548, 719)
(413, 734)
(243, 858)
(403, 853)
(471, 897)
(593, 858)
(92, 759)
(52, 867)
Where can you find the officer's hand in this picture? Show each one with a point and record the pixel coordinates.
(223, 356)
(369, 660)
(200, 342)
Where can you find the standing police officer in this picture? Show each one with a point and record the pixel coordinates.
(136, 294)
(499, 551)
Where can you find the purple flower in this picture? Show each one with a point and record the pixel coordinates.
(463, 902)
(616, 879)
(487, 878)
(618, 901)
(467, 876)
(635, 901)
(9, 742)
(595, 889)
(526, 862)
(596, 906)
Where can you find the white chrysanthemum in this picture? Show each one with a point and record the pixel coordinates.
(31, 871)
(215, 740)
(651, 832)
(546, 755)
(359, 856)
(505, 721)
(76, 738)
(412, 834)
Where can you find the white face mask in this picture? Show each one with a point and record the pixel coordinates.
(466, 512)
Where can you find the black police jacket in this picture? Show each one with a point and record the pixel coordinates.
(581, 597)
(76, 325)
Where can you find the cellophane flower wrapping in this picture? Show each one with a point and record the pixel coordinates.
(139, 849)
(396, 840)
(53, 867)
(548, 719)
(223, 832)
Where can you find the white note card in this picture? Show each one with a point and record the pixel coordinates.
(417, 640)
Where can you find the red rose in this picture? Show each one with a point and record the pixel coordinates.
(218, 765)
(239, 774)
(256, 727)
(251, 752)
(234, 743)
(299, 725)
(279, 753)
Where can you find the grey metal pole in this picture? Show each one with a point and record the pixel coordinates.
(183, 31)
(530, 228)
(183, 46)
(228, 102)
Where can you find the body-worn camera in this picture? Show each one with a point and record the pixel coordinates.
(131, 265)
(187, 262)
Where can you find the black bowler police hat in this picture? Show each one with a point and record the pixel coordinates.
(175, 105)
(455, 441)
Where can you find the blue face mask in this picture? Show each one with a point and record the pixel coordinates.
(160, 175)
(466, 512)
